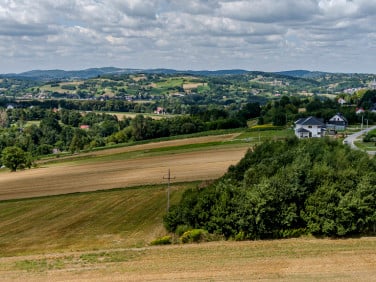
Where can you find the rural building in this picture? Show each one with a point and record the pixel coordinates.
(309, 127)
(337, 122)
(373, 109)
(85, 126)
(373, 85)
(341, 101)
(160, 111)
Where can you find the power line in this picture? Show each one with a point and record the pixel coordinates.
(168, 187)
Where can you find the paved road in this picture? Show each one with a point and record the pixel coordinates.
(351, 139)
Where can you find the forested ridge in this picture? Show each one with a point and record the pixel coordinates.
(283, 189)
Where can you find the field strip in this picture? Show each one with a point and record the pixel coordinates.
(276, 260)
(154, 145)
(69, 178)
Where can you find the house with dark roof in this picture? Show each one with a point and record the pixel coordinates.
(309, 127)
(337, 122)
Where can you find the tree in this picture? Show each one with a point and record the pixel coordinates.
(3, 118)
(78, 141)
(285, 189)
(14, 158)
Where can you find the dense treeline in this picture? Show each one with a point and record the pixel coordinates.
(286, 188)
(81, 105)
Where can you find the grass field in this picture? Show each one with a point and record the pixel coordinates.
(280, 260)
(121, 116)
(119, 218)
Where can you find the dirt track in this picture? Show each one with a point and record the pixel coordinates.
(71, 177)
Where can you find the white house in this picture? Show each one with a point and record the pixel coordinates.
(337, 122)
(309, 127)
(372, 85)
(341, 101)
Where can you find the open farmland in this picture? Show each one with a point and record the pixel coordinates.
(278, 260)
(124, 167)
(104, 235)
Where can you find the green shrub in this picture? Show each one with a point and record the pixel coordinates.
(181, 229)
(240, 236)
(194, 236)
(370, 137)
(165, 240)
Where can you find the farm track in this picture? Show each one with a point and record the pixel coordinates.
(71, 177)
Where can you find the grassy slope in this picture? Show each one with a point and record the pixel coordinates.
(86, 221)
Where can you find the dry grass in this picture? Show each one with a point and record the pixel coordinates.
(121, 116)
(279, 260)
(121, 171)
(190, 86)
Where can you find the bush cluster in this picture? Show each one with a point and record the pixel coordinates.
(194, 236)
(165, 240)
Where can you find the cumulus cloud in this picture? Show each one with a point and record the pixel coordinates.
(253, 34)
(268, 10)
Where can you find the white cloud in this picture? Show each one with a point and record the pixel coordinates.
(269, 10)
(203, 34)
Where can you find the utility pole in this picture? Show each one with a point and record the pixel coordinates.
(168, 187)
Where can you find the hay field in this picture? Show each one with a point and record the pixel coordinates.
(113, 169)
(279, 260)
(121, 116)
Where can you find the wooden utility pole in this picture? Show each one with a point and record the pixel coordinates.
(168, 187)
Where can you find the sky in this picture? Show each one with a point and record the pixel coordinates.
(264, 35)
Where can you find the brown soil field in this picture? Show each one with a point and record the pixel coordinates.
(70, 177)
(277, 260)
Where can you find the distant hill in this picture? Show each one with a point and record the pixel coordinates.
(57, 74)
(302, 73)
(49, 75)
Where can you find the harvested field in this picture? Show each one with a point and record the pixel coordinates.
(70, 177)
(278, 260)
(121, 116)
(190, 86)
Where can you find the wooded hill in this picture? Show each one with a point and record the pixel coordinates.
(223, 86)
(283, 189)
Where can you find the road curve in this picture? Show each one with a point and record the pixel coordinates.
(351, 139)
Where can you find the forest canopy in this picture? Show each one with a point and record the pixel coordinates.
(283, 189)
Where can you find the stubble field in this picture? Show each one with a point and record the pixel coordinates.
(124, 167)
(279, 260)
